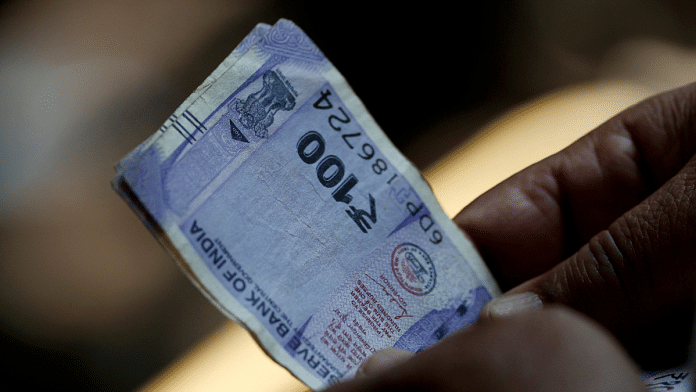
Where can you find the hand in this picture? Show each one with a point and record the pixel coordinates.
(551, 350)
(606, 226)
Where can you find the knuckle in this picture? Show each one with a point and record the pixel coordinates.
(607, 260)
(597, 279)
(597, 267)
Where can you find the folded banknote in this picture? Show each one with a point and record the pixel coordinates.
(288, 207)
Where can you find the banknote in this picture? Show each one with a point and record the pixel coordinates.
(288, 207)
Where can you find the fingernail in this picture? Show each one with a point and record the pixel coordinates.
(359, 373)
(513, 304)
(382, 360)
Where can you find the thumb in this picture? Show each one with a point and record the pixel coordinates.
(636, 277)
(383, 360)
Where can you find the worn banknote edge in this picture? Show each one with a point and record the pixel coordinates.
(123, 189)
(237, 53)
(178, 246)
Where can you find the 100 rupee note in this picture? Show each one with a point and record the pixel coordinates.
(288, 207)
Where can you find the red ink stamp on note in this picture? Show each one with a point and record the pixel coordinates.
(413, 269)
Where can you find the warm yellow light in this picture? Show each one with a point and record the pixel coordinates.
(228, 360)
(526, 135)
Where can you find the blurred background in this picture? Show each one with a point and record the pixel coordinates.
(88, 299)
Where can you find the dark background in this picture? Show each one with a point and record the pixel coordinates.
(88, 299)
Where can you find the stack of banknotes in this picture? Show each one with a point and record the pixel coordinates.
(288, 207)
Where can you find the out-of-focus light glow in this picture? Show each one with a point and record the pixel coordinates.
(524, 136)
(230, 360)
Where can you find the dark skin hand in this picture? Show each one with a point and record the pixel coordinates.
(607, 227)
(552, 350)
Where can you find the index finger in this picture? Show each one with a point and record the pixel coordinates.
(540, 216)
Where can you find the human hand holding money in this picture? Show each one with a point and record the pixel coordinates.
(593, 229)
(578, 229)
(287, 206)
